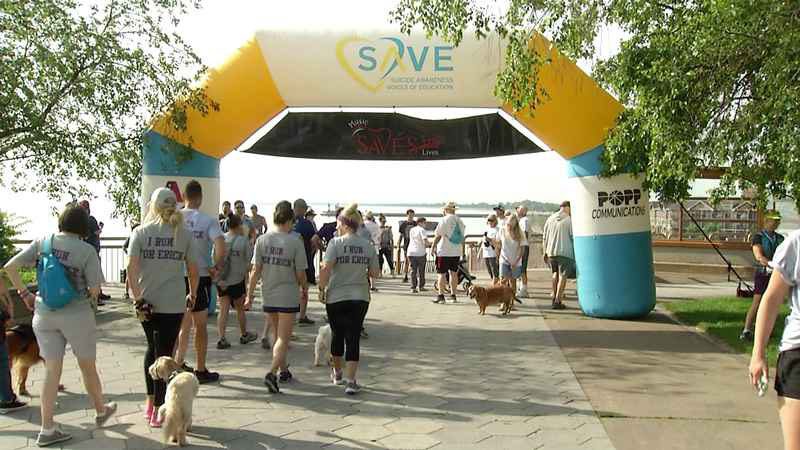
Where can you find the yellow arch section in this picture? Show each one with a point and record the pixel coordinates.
(574, 118)
(578, 113)
(248, 99)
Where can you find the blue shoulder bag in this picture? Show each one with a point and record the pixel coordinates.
(55, 289)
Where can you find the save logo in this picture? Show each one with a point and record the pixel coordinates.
(371, 63)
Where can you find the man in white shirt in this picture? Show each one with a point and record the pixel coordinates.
(205, 232)
(447, 247)
(522, 215)
(416, 251)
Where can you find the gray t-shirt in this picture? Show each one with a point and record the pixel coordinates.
(352, 256)
(80, 262)
(204, 229)
(787, 261)
(240, 251)
(281, 256)
(162, 255)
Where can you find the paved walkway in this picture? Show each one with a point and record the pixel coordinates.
(435, 376)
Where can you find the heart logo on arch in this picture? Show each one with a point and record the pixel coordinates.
(369, 63)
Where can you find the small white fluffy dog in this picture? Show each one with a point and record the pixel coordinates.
(177, 408)
(322, 346)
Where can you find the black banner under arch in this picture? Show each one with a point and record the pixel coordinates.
(391, 136)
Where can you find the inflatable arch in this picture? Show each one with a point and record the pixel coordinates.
(383, 68)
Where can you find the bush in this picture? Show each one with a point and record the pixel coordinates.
(8, 230)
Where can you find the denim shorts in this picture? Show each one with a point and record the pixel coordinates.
(507, 272)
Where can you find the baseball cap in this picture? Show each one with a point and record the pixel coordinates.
(772, 214)
(300, 204)
(163, 198)
(498, 207)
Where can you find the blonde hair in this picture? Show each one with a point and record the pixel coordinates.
(350, 217)
(512, 225)
(166, 216)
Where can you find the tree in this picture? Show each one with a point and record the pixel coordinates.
(81, 83)
(705, 84)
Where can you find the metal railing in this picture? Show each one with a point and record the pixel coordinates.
(112, 258)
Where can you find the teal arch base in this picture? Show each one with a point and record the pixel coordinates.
(163, 157)
(615, 271)
(615, 275)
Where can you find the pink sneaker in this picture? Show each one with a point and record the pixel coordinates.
(155, 421)
(148, 412)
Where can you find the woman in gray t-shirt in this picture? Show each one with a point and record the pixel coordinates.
(158, 251)
(280, 261)
(785, 281)
(73, 323)
(349, 261)
(232, 286)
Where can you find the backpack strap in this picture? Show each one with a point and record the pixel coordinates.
(47, 246)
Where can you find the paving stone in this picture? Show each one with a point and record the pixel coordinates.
(415, 426)
(363, 432)
(407, 441)
(509, 428)
(512, 443)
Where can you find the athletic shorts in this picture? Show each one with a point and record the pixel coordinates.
(55, 330)
(233, 292)
(787, 374)
(760, 282)
(561, 265)
(203, 293)
(507, 272)
(446, 264)
(282, 309)
(526, 252)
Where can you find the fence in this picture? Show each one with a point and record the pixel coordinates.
(112, 258)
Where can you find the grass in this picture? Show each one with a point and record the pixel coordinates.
(724, 318)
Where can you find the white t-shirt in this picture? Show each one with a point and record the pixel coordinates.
(416, 241)
(204, 230)
(488, 252)
(510, 250)
(445, 229)
(374, 232)
(787, 261)
(525, 227)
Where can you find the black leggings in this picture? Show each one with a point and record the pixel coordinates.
(162, 332)
(346, 319)
(386, 253)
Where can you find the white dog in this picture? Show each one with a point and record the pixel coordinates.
(176, 412)
(322, 346)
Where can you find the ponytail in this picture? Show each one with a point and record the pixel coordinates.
(167, 216)
(351, 218)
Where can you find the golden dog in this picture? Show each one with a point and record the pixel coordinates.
(498, 294)
(176, 411)
(23, 351)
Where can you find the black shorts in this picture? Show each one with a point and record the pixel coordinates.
(526, 252)
(233, 292)
(787, 374)
(446, 264)
(562, 266)
(203, 293)
(760, 282)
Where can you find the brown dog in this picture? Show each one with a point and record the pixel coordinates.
(498, 294)
(23, 351)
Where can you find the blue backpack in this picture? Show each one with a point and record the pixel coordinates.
(55, 289)
(458, 235)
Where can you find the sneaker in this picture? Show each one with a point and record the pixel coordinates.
(352, 388)
(187, 368)
(559, 305)
(373, 289)
(305, 321)
(453, 299)
(414, 290)
(337, 378)
(101, 419)
(265, 343)
(285, 376)
(247, 338)
(522, 292)
(11, 406)
(422, 289)
(100, 302)
(43, 440)
(746, 335)
(405, 279)
(364, 334)
(206, 376)
(439, 299)
(223, 344)
(155, 421)
(271, 381)
(104, 297)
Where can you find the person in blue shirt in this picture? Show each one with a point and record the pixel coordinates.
(311, 244)
(764, 245)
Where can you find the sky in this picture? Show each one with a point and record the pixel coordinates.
(221, 26)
